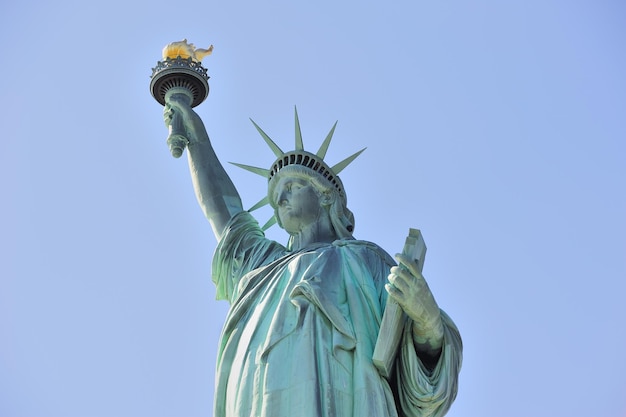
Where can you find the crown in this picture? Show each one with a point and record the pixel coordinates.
(298, 157)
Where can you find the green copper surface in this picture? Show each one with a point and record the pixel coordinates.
(304, 317)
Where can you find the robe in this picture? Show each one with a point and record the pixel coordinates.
(300, 333)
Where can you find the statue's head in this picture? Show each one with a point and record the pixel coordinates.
(304, 165)
(331, 197)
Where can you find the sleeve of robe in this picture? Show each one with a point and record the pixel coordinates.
(425, 393)
(243, 247)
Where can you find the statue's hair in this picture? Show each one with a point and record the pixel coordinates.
(336, 204)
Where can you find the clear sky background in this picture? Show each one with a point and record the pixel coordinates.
(498, 128)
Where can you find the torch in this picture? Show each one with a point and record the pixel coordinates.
(180, 75)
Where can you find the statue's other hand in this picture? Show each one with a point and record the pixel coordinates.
(409, 288)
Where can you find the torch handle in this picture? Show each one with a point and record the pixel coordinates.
(176, 139)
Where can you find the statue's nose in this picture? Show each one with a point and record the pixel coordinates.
(282, 198)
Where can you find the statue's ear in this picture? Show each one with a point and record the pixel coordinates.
(328, 198)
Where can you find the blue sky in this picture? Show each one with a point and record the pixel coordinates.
(497, 128)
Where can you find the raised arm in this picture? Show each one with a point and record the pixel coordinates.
(214, 189)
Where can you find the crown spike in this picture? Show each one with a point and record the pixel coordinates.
(264, 201)
(271, 222)
(300, 157)
(341, 165)
(299, 144)
(259, 171)
(322, 150)
(277, 151)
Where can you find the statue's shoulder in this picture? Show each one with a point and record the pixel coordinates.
(365, 248)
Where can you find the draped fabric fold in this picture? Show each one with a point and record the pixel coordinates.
(300, 334)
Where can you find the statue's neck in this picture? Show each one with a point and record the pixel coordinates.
(318, 232)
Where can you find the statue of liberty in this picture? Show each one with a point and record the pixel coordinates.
(304, 317)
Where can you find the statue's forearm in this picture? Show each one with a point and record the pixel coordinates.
(428, 341)
(214, 189)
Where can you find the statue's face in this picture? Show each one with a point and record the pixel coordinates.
(298, 203)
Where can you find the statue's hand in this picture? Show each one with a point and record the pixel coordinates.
(409, 288)
(179, 115)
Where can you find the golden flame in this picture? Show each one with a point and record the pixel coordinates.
(185, 50)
